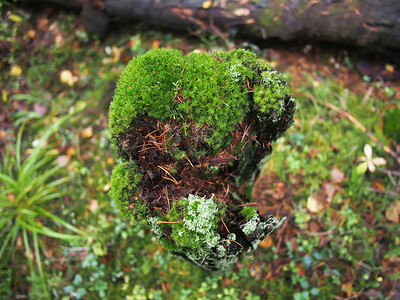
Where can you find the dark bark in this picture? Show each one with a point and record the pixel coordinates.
(360, 22)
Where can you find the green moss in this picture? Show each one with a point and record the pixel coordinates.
(270, 96)
(213, 89)
(248, 212)
(125, 191)
(146, 87)
(391, 124)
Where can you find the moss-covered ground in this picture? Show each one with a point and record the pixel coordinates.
(340, 239)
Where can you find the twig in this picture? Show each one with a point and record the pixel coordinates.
(251, 203)
(166, 195)
(384, 192)
(225, 225)
(167, 222)
(185, 66)
(352, 297)
(387, 172)
(172, 177)
(358, 124)
(234, 242)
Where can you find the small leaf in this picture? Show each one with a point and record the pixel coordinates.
(67, 77)
(379, 161)
(87, 132)
(313, 205)
(362, 168)
(337, 176)
(63, 160)
(207, 4)
(39, 108)
(266, 243)
(393, 212)
(371, 166)
(15, 70)
(94, 204)
(241, 12)
(368, 151)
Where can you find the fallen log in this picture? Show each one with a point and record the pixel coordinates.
(362, 22)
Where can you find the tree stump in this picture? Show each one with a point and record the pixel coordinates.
(192, 132)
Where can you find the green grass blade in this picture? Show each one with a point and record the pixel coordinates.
(58, 182)
(27, 97)
(35, 155)
(60, 236)
(35, 227)
(28, 250)
(18, 147)
(36, 182)
(30, 168)
(5, 219)
(60, 221)
(9, 181)
(43, 196)
(24, 116)
(41, 178)
(11, 235)
(39, 264)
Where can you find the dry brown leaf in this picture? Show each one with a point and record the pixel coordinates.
(337, 176)
(155, 44)
(330, 192)
(241, 12)
(389, 68)
(94, 204)
(266, 243)
(314, 205)
(348, 288)
(39, 108)
(207, 4)
(393, 212)
(378, 185)
(63, 160)
(313, 226)
(15, 70)
(115, 54)
(106, 188)
(31, 34)
(67, 77)
(87, 132)
(70, 151)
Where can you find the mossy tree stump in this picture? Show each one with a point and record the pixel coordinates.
(192, 132)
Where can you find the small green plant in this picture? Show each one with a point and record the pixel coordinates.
(28, 187)
(249, 212)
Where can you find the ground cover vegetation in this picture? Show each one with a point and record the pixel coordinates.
(334, 175)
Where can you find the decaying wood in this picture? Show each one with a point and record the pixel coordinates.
(362, 22)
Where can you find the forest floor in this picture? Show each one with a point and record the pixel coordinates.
(335, 174)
